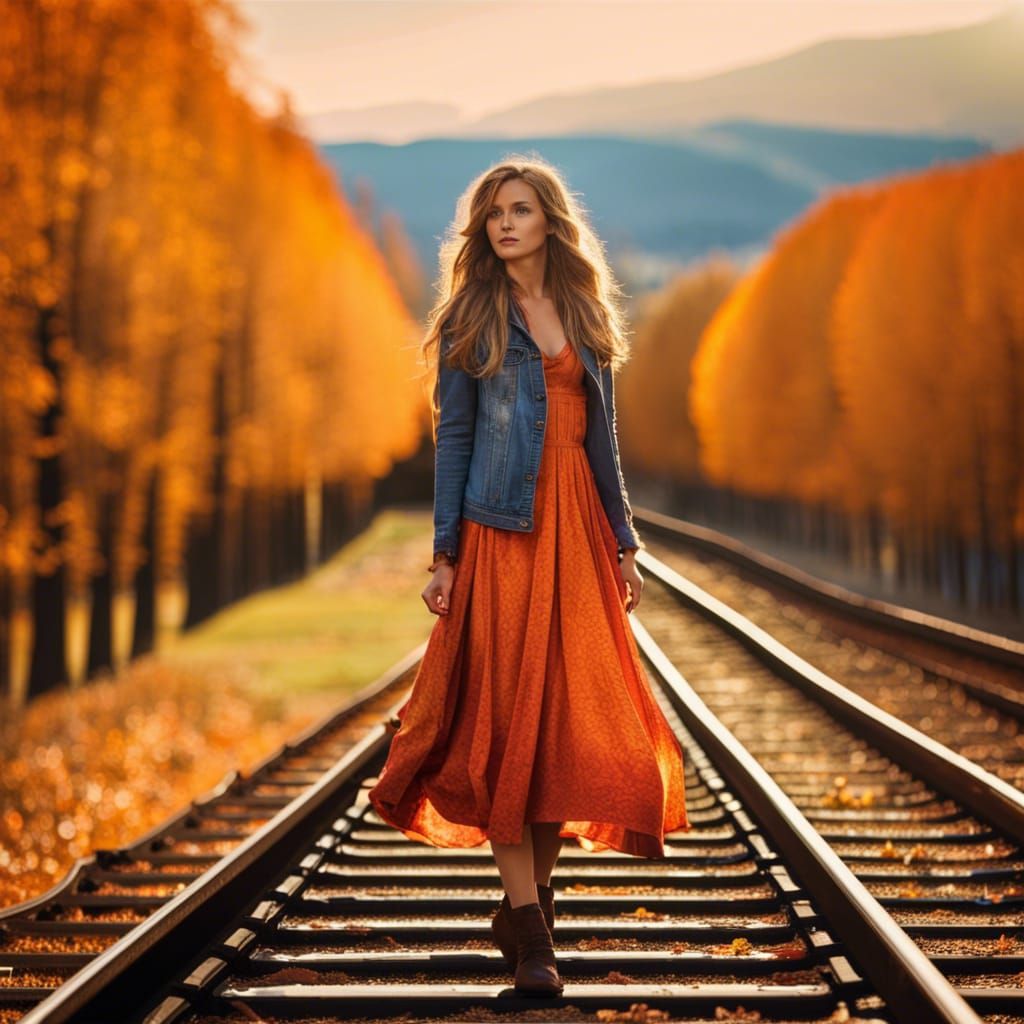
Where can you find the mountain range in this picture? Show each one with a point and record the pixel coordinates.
(965, 81)
(658, 204)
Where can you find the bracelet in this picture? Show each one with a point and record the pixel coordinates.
(441, 559)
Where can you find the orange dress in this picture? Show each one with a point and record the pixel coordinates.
(531, 703)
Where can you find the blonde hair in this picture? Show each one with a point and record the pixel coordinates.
(474, 290)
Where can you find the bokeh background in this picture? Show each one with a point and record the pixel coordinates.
(219, 226)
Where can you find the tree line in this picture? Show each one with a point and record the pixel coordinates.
(205, 360)
(870, 365)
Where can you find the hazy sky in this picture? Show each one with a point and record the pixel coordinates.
(483, 55)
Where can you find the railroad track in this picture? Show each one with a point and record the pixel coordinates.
(361, 923)
(938, 700)
(968, 673)
(169, 871)
(773, 902)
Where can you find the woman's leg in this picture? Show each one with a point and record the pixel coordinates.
(547, 845)
(515, 865)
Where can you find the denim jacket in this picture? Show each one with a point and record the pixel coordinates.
(490, 437)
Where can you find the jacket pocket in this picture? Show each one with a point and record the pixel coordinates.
(500, 399)
(507, 377)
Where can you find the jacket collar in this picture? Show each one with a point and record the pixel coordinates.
(515, 317)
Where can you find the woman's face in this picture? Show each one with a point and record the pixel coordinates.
(516, 213)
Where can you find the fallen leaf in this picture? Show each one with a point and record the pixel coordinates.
(739, 1014)
(738, 947)
(640, 1013)
(616, 978)
(643, 912)
(917, 852)
(794, 950)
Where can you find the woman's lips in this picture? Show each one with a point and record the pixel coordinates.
(509, 241)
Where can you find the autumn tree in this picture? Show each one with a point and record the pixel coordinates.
(658, 436)
(199, 339)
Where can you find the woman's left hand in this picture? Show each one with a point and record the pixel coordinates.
(632, 578)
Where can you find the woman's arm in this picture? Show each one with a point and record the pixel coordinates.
(457, 399)
(628, 538)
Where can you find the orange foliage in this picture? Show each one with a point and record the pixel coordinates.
(873, 359)
(897, 331)
(763, 398)
(660, 437)
(187, 302)
(93, 768)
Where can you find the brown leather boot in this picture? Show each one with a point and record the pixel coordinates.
(537, 972)
(501, 925)
(504, 937)
(546, 899)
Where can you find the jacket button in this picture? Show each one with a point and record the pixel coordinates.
(524, 522)
(539, 423)
(540, 398)
(529, 476)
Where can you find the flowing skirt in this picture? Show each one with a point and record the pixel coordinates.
(531, 703)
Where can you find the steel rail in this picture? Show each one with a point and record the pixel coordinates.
(900, 971)
(985, 794)
(161, 938)
(958, 636)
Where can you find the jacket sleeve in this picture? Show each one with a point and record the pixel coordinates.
(457, 401)
(627, 535)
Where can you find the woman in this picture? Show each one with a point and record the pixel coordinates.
(530, 719)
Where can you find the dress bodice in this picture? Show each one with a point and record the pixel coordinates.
(564, 372)
(567, 398)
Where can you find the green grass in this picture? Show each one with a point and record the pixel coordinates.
(336, 630)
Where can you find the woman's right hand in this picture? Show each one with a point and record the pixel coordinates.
(438, 591)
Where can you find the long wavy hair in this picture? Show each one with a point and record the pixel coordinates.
(474, 290)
